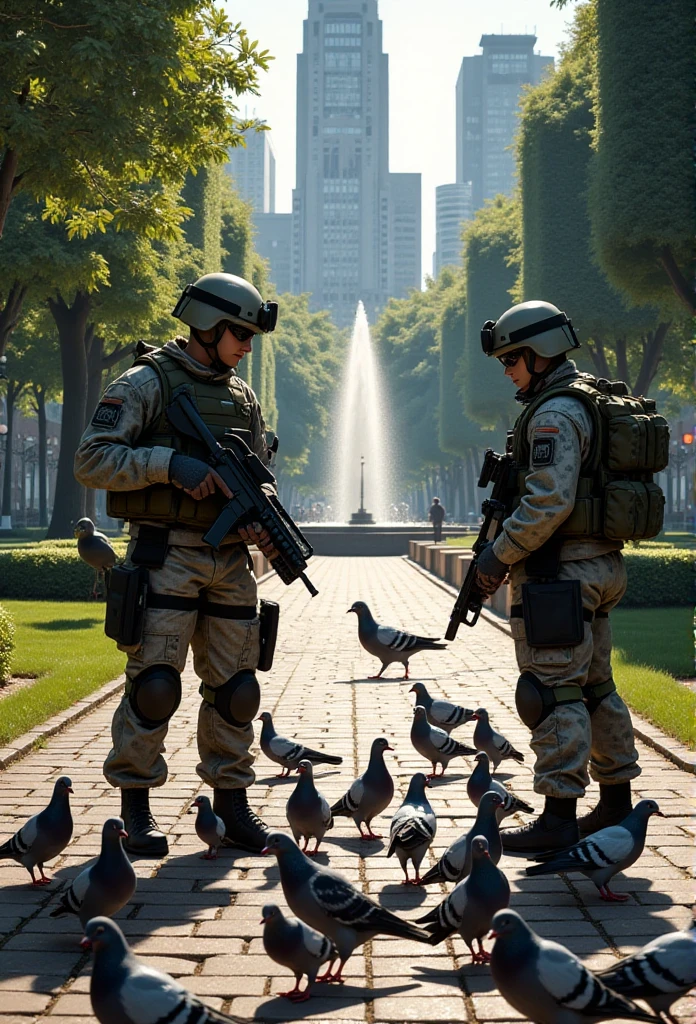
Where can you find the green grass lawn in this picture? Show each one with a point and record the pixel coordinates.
(651, 647)
(64, 645)
(466, 541)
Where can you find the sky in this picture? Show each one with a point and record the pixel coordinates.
(425, 40)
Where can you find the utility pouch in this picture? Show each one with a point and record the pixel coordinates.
(553, 613)
(268, 633)
(126, 597)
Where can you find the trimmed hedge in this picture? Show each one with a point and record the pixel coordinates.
(7, 632)
(50, 571)
(659, 577)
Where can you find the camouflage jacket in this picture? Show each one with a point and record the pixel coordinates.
(109, 457)
(552, 481)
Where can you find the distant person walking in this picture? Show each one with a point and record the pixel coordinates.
(436, 515)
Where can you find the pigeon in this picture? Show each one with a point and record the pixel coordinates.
(480, 782)
(413, 828)
(107, 885)
(327, 901)
(308, 812)
(455, 863)
(470, 907)
(45, 835)
(123, 990)
(547, 983)
(209, 828)
(289, 753)
(440, 712)
(434, 744)
(491, 742)
(370, 794)
(659, 973)
(94, 548)
(389, 644)
(294, 945)
(603, 854)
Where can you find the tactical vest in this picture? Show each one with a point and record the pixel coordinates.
(222, 405)
(616, 497)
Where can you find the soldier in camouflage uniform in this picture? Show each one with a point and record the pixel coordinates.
(197, 596)
(566, 694)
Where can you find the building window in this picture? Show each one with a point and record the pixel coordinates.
(341, 28)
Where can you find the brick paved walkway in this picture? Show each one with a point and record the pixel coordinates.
(200, 920)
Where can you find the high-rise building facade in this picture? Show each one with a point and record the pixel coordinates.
(253, 168)
(273, 241)
(452, 210)
(343, 231)
(488, 95)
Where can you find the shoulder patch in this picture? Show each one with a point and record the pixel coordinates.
(108, 412)
(543, 450)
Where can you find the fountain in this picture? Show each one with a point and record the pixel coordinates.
(362, 517)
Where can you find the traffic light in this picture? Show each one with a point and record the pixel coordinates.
(687, 438)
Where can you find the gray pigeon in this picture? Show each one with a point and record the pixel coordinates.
(413, 828)
(434, 744)
(492, 742)
(123, 990)
(659, 973)
(94, 548)
(307, 811)
(289, 753)
(387, 644)
(294, 945)
(370, 794)
(603, 854)
(325, 900)
(441, 713)
(480, 782)
(455, 863)
(547, 983)
(45, 835)
(470, 907)
(209, 828)
(107, 885)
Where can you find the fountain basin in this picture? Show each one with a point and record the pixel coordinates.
(380, 539)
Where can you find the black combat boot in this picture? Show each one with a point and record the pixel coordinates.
(243, 828)
(144, 837)
(554, 829)
(614, 805)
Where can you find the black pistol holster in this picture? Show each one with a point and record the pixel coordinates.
(269, 615)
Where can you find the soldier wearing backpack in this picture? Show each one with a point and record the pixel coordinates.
(584, 453)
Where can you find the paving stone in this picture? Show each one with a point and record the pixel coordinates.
(199, 920)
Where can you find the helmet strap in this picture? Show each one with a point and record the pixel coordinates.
(539, 377)
(211, 347)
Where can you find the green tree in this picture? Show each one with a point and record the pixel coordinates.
(643, 189)
(554, 151)
(458, 433)
(104, 108)
(491, 264)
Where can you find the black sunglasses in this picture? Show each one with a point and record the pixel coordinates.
(510, 358)
(240, 333)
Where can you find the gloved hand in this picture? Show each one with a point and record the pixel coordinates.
(195, 477)
(490, 571)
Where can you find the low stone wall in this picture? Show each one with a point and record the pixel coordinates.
(451, 564)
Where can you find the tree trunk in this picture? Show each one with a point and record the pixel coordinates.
(595, 347)
(652, 356)
(684, 291)
(621, 360)
(14, 390)
(40, 408)
(8, 182)
(71, 322)
(11, 312)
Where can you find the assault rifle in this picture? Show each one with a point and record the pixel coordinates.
(243, 472)
(500, 469)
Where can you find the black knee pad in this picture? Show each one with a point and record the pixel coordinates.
(154, 694)
(237, 701)
(535, 702)
(594, 695)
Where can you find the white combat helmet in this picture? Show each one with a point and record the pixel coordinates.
(539, 326)
(217, 297)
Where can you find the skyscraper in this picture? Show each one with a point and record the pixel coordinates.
(252, 168)
(488, 94)
(452, 209)
(345, 210)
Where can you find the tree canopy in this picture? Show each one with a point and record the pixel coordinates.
(104, 108)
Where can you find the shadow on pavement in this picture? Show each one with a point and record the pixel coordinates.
(282, 1009)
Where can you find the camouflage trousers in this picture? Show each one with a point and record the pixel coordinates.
(221, 647)
(571, 738)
